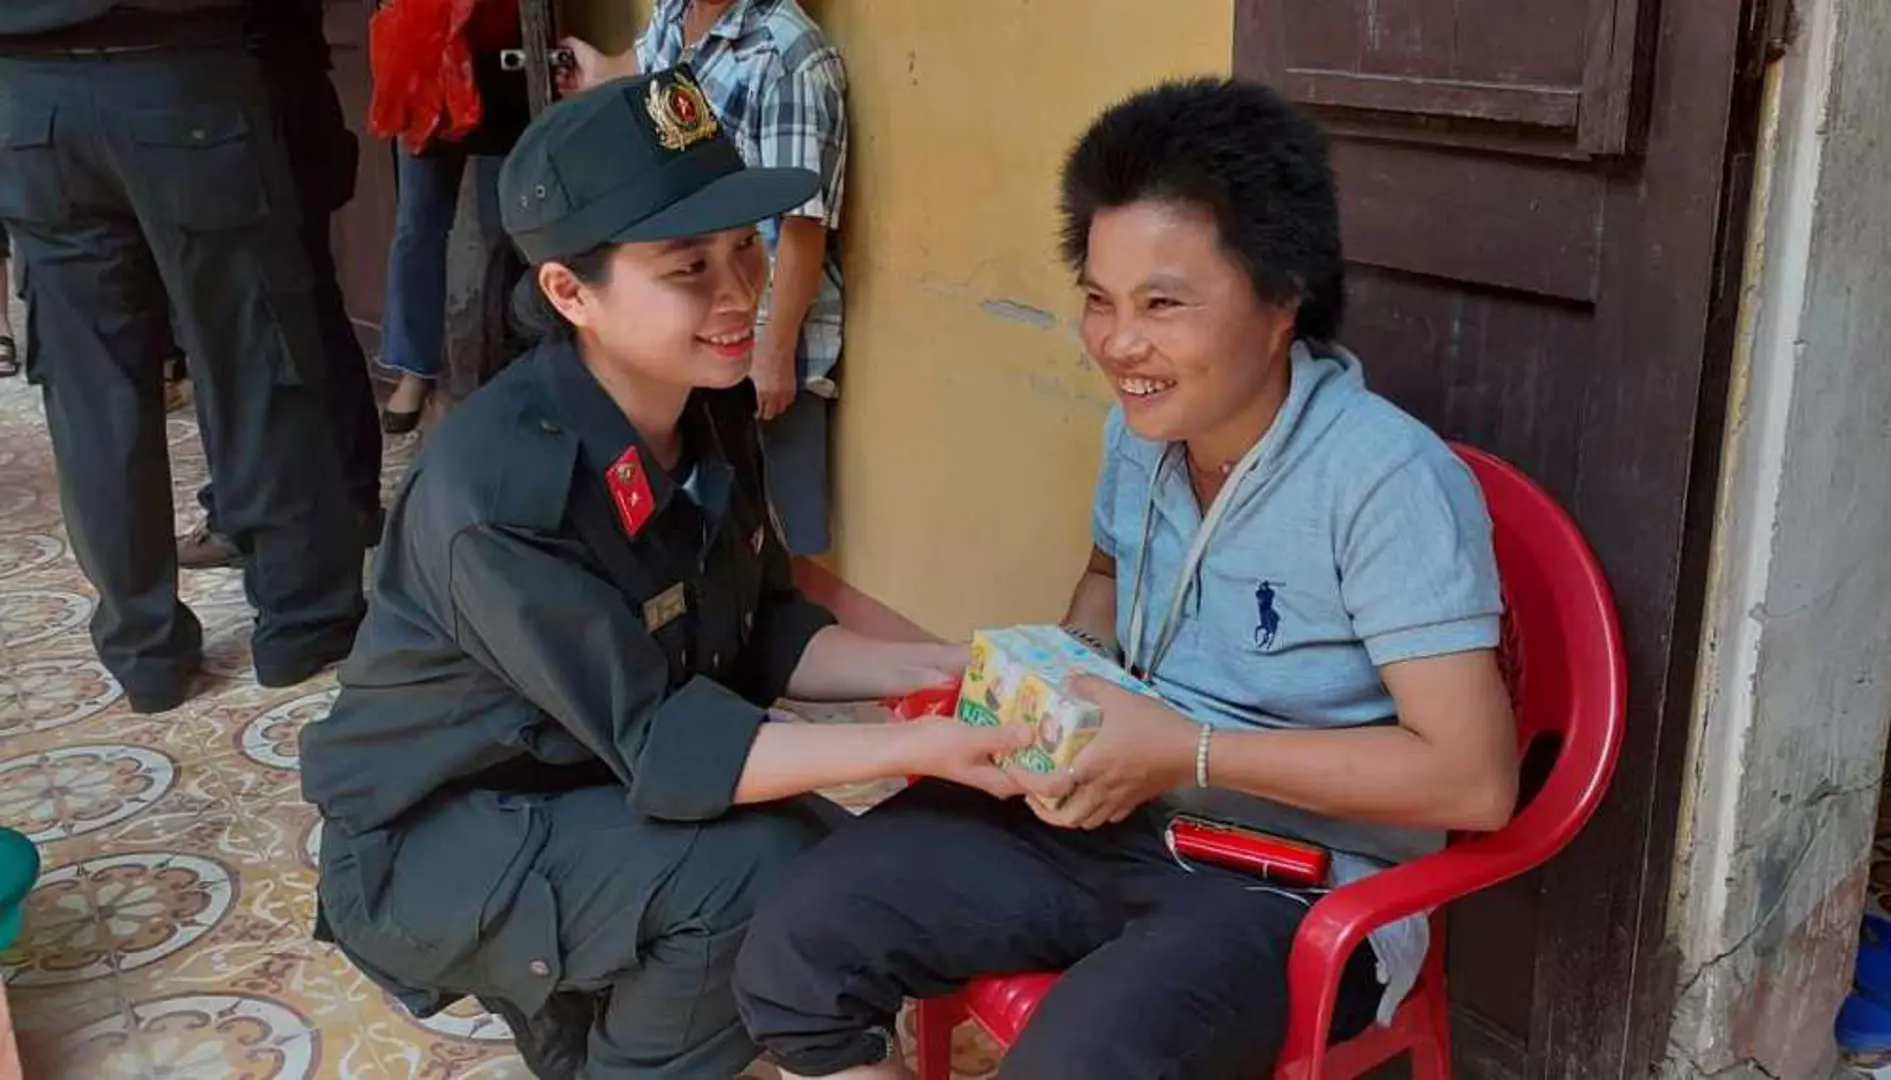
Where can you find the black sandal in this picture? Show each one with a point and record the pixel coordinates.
(9, 358)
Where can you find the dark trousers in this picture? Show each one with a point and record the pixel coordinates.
(1171, 974)
(642, 917)
(323, 155)
(157, 183)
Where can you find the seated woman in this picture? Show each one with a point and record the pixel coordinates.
(549, 781)
(1301, 571)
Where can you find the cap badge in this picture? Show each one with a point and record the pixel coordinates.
(682, 116)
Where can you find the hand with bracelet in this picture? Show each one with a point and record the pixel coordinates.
(1143, 749)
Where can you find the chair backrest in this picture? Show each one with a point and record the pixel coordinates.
(1561, 654)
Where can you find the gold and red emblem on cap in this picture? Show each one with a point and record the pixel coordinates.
(630, 490)
(681, 114)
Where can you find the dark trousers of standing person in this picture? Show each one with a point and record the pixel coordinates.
(323, 155)
(136, 182)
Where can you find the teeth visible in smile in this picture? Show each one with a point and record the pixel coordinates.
(729, 339)
(1144, 387)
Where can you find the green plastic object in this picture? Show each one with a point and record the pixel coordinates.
(19, 869)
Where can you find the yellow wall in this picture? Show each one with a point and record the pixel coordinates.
(970, 423)
(969, 430)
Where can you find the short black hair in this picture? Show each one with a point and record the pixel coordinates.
(1239, 151)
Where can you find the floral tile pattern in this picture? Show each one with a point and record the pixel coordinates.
(169, 933)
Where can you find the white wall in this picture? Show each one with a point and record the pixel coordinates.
(1795, 682)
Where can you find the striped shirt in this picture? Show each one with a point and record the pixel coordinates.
(779, 88)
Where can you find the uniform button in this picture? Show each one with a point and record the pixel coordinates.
(549, 428)
(200, 134)
(540, 968)
(715, 661)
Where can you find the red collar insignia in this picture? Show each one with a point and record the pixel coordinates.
(629, 482)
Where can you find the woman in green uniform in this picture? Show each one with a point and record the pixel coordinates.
(550, 781)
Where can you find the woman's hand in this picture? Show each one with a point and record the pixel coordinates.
(592, 67)
(1143, 749)
(929, 665)
(964, 754)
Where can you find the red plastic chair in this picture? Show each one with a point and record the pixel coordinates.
(1562, 657)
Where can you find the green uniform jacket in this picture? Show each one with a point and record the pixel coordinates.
(519, 642)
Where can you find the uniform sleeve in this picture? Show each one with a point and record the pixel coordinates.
(803, 125)
(567, 642)
(1103, 508)
(785, 622)
(1417, 572)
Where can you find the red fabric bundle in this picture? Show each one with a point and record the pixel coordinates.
(421, 54)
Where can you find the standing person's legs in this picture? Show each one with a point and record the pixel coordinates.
(795, 445)
(413, 339)
(99, 316)
(323, 155)
(198, 149)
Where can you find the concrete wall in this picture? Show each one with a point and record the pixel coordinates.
(971, 424)
(1796, 677)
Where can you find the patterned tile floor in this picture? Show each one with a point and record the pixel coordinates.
(168, 934)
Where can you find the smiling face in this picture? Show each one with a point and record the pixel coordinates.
(1175, 323)
(679, 313)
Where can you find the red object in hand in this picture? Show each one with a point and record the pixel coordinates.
(1562, 658)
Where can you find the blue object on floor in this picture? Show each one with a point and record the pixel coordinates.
(19, 869)
(1873, 974)
(1864, 1025)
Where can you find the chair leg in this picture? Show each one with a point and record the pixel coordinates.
(1431, 1054)
(933, 1024)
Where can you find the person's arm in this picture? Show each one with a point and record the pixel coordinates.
(801, 123)
(790, 758)
(842, 665)
(1093, 602)
(526, 609)
(1449, 762)
(800, 260)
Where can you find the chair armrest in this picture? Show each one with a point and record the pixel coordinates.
(1341, 921)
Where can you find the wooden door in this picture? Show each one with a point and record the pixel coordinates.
(1534, 194)
(364, 229)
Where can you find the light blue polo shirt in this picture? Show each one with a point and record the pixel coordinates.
(1358, 540)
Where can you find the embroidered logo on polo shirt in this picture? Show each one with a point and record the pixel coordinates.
(1267, 627)
(681, 114)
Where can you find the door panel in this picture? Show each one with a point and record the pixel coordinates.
(1406, 207)
(1563, 65)
(1533, 193)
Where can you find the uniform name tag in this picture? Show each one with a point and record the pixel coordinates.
(665, 608)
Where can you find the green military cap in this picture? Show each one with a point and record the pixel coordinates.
(635, 159)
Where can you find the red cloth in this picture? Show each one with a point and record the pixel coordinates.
(421, 54)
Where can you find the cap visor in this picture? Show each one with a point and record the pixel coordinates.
(740, 198)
